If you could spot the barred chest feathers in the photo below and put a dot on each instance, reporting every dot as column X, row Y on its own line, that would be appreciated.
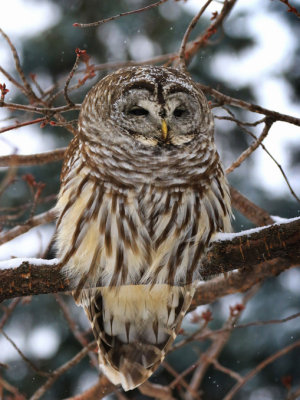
column 148, row 234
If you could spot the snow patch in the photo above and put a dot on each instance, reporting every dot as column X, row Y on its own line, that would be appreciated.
column 16, row 262
column 280, row 220
column 220, row 236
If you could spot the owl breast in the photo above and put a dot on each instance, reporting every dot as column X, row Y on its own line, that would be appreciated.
column 148, row 234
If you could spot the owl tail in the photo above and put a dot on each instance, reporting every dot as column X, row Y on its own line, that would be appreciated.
column 134, row 327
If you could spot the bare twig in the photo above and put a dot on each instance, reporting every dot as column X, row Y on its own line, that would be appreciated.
column 32, row 159
column 268, row 124
column 224, row 99
column 22, row 355
column 9, row 310
column 13, row 81
column 10, row 388
column 37, row 85
column 157, row 391
column 201, row 41
column 9, row 178
column 61, row 370
column 102, row 388
column 41, row 110
column 21, row 124
column 227, row 371
column 259, row 367
column 237, row 121
column 20, row 209
column 218, row 344
column 282, row 172
column 258, row 141
column 74, row 328
column 291, row 9
column 191, row 26
column 104, row 21
column 70, row 76
column 201, row 336
column 28, row 89
column 40, row 219
column 179, row 379
column 209, row 333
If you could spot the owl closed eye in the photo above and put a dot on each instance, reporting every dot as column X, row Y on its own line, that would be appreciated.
column 158, row 114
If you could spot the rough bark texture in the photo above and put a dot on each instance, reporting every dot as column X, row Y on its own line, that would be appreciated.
column 256, row 255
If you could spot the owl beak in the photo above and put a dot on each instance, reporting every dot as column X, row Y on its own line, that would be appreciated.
column 164, row 129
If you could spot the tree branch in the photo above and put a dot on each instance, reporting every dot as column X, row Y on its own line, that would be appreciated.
column 104, row 21
column 102, row 388
column 32, row 159
column 193, row 23
column 253, row 212
column 224, row 99
column 194, row 46
column 44, row 218
column 256, row 254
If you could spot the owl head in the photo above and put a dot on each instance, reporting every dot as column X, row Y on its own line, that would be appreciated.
column 151, row 106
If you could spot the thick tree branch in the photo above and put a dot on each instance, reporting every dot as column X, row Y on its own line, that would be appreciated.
column 256, row 254
column 238, row 281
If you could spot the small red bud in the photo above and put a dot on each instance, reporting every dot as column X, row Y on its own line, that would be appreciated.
column 214, row 15
column 287, row 381
column 80, row 52
column 235, row 310
column 3, row 89
column 207, row 315
column 29, row 178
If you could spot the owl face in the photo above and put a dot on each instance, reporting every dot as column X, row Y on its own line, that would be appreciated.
column 153, row 106
column 158, row 115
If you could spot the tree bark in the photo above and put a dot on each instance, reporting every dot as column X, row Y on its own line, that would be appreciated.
column 256, row 254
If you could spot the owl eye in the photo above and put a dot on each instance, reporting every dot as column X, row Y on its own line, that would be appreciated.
column 179, row 111
column 138, row 111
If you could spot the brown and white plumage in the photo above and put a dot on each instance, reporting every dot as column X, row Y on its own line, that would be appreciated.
column 142, row 194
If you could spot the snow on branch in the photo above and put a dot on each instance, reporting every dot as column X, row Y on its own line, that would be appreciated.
column 256, row 254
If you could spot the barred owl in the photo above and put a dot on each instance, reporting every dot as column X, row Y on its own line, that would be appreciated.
column 142, row 193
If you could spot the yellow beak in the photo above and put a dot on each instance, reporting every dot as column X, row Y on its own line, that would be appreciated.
column 164, row 129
